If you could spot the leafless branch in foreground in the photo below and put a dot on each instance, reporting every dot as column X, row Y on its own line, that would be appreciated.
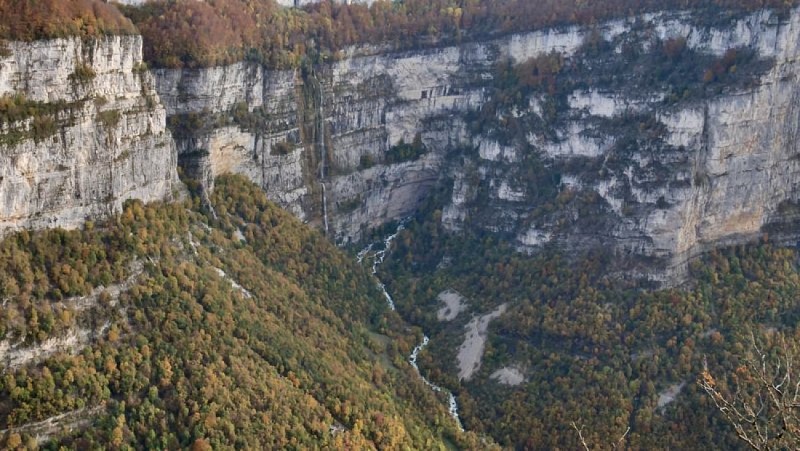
column 580, row 435
column 619, row 444
column 764, row 402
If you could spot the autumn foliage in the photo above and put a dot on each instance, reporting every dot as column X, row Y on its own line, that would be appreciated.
column 209, row 340
column 28, row 20
column 191, row 33
column 188, row 33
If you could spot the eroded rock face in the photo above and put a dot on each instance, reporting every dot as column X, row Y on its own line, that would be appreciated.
column 94, row 136
column 342, row 121
column 720, row 167
column 366, row 139
column 200, row 104
column 723, row 167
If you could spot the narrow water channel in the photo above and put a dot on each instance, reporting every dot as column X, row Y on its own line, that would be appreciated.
column 377, row 259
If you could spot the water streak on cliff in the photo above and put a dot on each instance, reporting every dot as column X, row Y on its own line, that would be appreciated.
column 322, row 155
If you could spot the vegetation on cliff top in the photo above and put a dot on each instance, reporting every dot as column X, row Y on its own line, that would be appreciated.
column 29, row 20
column 187, row 33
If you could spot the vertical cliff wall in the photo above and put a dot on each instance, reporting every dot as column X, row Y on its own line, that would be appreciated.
column 81, row 131
column 241, row 119
column 264, row 124
column 661, row 155
column 656, row 136
column 612, row 154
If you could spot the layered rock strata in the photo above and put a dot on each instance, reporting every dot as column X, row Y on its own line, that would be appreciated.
column 81, row 131
column 725, row 168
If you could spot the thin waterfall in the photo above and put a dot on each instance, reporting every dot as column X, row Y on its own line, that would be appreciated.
column 322, row 155
column 325, row 207
column 451, row 398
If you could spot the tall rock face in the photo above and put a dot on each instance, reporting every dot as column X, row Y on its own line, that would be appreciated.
column 81, row 132
column 635, row 149
column 241, row 119
column 342, row 125
column 657, row 137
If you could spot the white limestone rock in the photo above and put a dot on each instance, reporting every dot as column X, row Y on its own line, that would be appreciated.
column 508, row 376
column 109, row 146
column 470, row 353
column 725, row 165
column 454, row 304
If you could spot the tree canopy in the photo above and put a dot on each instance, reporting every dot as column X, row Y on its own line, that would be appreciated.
column 251, row 331
column 190, row 33
column 605, row 353
column 29, row 20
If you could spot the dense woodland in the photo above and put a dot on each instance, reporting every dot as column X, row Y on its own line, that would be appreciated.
column 595, row 350
column 251, row 331
column 246, row 329
column 28, row 20
column 189, row 33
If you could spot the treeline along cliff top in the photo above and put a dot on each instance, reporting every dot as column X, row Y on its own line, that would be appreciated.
column 190, row 33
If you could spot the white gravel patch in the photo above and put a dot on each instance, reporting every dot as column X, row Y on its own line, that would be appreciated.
column 471, row 351
column 667, row 396
column 453, row 305
column 508, row 376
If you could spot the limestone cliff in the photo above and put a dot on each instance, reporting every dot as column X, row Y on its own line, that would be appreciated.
column 81, row 131
column 723, row 167
column 617, row 153
column 714, row 167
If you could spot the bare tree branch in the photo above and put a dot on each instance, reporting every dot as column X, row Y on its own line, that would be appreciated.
column 580, row 435
column 763, row 408
column 619, row 444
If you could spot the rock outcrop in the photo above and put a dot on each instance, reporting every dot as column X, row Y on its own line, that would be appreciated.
column 81, row 131
column 367, row 105
column 717, row 167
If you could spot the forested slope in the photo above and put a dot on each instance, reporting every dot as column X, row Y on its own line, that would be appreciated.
column 188, row 33
column 590, row 348
column 163, row 328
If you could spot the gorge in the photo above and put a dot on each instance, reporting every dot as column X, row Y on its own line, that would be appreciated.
column 577, row 221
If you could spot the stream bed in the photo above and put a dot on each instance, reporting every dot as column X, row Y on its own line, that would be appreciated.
column 377, row 259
